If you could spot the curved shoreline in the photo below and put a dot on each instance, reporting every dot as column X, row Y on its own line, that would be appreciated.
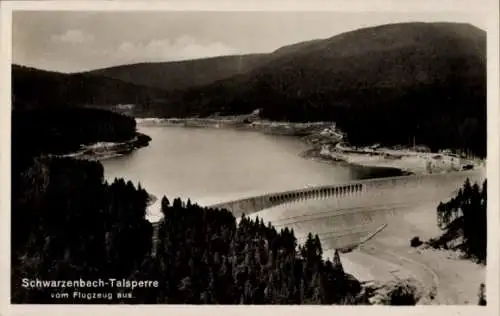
column 313, row 154
column 327, row 144
column 107, row 150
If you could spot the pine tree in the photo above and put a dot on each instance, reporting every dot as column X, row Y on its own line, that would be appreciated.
column 337, row 264
column 165, row 203
column 482, row 295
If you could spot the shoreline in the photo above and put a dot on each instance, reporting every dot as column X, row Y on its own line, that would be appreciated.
column 313, row 154
column 327, row 144
column 107, row 150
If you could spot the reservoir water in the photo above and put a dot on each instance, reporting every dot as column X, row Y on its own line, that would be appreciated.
column 214, row 165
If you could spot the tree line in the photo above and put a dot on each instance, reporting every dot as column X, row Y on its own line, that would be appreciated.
column 206, row 257
column 36, row 88
column 441, row 118
column 60, row 130
column 464, row 221
column 68, row 224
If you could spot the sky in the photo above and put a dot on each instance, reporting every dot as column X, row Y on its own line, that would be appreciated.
column 72, row 41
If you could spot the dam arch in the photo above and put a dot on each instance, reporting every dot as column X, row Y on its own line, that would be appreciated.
column 406, row 185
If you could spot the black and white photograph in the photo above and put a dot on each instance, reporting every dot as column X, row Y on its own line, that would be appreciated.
column 232, row 157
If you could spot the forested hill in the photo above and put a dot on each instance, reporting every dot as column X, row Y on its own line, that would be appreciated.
column 62, row 130
column 49, row 114
column 183, row 74
column 35, row 88
column 385, row 84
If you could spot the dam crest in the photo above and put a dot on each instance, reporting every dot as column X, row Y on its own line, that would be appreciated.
column 366, row 192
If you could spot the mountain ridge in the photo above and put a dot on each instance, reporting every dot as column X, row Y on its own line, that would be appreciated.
column 177, row 75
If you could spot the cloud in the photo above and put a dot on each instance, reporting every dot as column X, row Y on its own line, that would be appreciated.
column 184, row 47
column 73, row 36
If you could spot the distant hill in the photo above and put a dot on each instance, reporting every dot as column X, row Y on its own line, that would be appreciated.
column 49, row 114
column 179, row 75
column 393, row 57
column 182, row 74
column 35, row 88
column 383, row 84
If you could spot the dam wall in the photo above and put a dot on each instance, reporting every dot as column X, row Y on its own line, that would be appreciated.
column 413, row 188
column 344, row 215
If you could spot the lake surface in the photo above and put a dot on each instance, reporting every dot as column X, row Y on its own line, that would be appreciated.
column 214, row 165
